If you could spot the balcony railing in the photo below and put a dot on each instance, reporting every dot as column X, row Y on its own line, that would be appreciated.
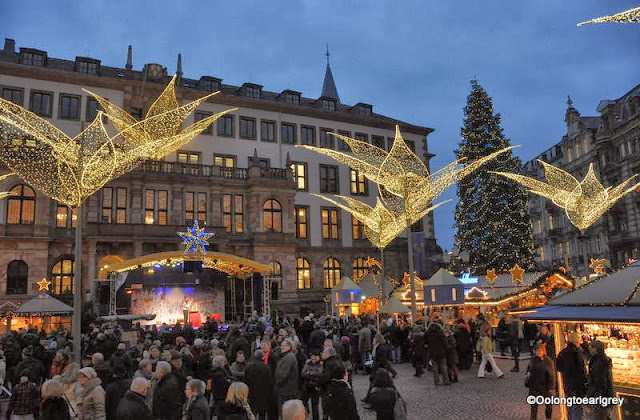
column 156, row 166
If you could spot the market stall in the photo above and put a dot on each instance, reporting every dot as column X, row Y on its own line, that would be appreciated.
column 346, row 297
column 394, row 307
column 42, row 312
column 606, row 309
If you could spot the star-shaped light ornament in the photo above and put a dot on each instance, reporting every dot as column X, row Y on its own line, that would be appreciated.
column 629, row 16
column 491, row 275
column 370, row 261
column 195, row 239
column 43, row 285
column 598, row 265
column 516, row 273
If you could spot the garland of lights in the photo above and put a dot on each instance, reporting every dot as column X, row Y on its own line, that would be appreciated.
column 629, row 16
column 583, row 201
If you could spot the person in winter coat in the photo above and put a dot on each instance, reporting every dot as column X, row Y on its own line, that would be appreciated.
column 541, row 379
column 31, row 365
column 514, row 336
column 116, row 390
column 599, row 382
column 257, row 376
column 485, row 347
column 102, row 368
column 220, row 380
column 145, row 371
column 570, row 364
column 464, row 341
column 286, row 377
column 236, row 405
column 133, row 405
column 438, row 352
column 24, row 399
column 53, row 405
column 120, row 359
column 167, row 394
column 383, row 395
column 311, row 383
column 364, row 343
column 545, row 337
column 3, row 368
column 59, row 363
column 418, row 352
column 395, row 340
column 92, row 398
column 237, row 367
column 451, row 356
column 341, row 404
column 196, row 407
column 71, row 386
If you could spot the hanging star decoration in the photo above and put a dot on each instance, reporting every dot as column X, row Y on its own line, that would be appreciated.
column 516, row 273
column 491, row 275
column 628, row 16
column 195, row 239
column 43, row 285
column 584, row 201
column 563, row 269
column 372, row 262
column 598, row 265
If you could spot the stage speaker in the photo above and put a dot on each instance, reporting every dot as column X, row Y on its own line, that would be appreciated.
column 192, row 266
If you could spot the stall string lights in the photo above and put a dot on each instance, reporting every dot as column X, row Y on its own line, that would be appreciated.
column 628, row 16
column 584, row 201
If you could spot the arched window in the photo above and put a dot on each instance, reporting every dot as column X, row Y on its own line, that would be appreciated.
column 21, row 205
column 303, row 274
column 331, row 272
column 272, row 216
column 360, row 268
column 17, row 277
column 62, row 277
column 275, row 269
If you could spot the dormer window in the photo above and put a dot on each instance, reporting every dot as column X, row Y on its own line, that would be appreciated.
column 329, row 104
column 33, row 57
column 210, row 84
column 87, row 66
column 252, row 91
column 364, row 110
column 293, row 99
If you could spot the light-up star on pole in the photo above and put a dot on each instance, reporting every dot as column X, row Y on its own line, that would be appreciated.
column 195, row 239
column 43, row 285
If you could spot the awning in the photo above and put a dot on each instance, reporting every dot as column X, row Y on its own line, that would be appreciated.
column 43, row 305
column 345, row 283
column 585, row 314
column 394, row 306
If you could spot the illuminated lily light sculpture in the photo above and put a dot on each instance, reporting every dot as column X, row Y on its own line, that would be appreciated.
column 406, row 189
column 68, row 170
column 631, row 15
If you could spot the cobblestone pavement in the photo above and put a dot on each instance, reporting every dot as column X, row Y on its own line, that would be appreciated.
column 470, row 399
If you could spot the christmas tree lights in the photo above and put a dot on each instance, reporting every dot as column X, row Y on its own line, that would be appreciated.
column 584, row 201
column 629, row 16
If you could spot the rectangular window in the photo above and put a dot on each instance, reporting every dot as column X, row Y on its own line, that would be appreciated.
column 41, row 103
column 225, row 161
column 302, row 222
column 308, row 135
column 247, row 128
column 357, row 229
column 155, row 207
column 326, row 139
column 14, row 95
column 233, row 213
column 288, row 133
column 454, row 294
column 378, row 141
column 342, row 145
column 329, row 179
column 358, row 183
column 300, row 175
column 268, row 131
column 65, row 217
column 292, row 99
column 328, row 105
column 33, row 59
column 418, row 226
column 390, row 141
column 121, row 205
column 107, row 204
column 252, row 92
column 114, row 205
column 210, row 85
column 362, row 137
column 92, row 110
column 262, row 162
column 200, row 115
column 195, row 205
column 69, row 107
column 364, row 111
column 87, row 67
column 330, row 224
column 225, row 126
column 433, row 295
column 189, row 162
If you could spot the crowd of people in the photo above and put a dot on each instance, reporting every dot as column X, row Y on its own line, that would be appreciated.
column 257, row 370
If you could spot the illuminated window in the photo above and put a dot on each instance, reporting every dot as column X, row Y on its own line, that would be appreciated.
column 114, row 205
column 272, row 216
column 200, row 115
column 303, row 274
column 275, row 268
column 300, row 175
column 224, row 161
column 17, row 278
column 360, row 268
column 331, row 272
column 62, row 277
column 454, row 294
column 433, row 295
column 357, row 229
column 330, row 224
column 65, row 217
column 155, row 207
column 326, row 139
column 21, row 205
column 358, row 183
column 232, row 213
column 301, row 222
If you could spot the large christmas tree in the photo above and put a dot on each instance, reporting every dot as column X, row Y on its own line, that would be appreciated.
column 492, row 223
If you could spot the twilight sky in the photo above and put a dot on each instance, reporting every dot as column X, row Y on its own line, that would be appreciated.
column 411, row 60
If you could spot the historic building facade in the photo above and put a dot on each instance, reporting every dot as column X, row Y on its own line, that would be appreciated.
column 611, row 142
column 243, row 177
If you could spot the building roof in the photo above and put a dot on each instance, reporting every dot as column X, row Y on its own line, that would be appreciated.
column 591, row 122
column 442, row 278
column 503, row 285
column 329, row 89
column 394, row 306
column 620, row 289
column 45, row 305
column 345, row 283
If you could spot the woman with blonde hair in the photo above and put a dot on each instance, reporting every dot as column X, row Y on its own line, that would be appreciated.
column 236, row 404
column 53, row 406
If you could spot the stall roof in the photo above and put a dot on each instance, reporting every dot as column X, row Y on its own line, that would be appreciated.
column 619, row 288
column 503, row 284
column 345, row 283
column 585, row 314
column 394, row 306
column 44, row 304
column 442, row 278
column 375, row 285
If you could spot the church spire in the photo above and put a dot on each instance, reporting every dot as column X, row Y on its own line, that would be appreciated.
column 329, row 89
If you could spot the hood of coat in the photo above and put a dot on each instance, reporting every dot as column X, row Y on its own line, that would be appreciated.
column 91, row 384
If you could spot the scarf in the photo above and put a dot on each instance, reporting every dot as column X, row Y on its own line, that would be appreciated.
column 247, row 410
column 187, row 406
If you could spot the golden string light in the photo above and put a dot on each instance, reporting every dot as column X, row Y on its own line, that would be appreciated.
column 584, row 201
column 5, row 194
column 629, row 16
column 161, row 126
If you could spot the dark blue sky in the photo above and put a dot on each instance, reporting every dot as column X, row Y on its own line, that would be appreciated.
column 411, row 59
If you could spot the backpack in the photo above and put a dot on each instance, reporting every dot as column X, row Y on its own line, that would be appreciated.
column 400, row 408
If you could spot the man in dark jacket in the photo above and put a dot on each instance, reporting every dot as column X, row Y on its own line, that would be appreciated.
column 286, row 377
column 417, row 351
column 32, row 366
column 116, row 390
column 438, row 352
column 514, row 334
column 121, row 360
column 167, row 395
column 104, row 371
column 599, row 382
column 464, row 341
column 133, row 405
column 196, row 407
column 330, row 365
column 257, row 376
column 341, row 403
column 177, row 369
column 570, row 364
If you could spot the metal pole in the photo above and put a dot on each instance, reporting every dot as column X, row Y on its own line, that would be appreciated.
column 76, row 330
column 583, row 250
column 412, row 277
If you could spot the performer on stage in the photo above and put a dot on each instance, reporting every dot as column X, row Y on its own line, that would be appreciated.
column 186, row 308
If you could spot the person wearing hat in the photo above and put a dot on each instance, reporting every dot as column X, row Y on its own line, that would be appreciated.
column 570, row 364
column 92, row 397
column 599, row 382
column 24, row 401
column 116, row 390
column 177, row 369
column 286, row 376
